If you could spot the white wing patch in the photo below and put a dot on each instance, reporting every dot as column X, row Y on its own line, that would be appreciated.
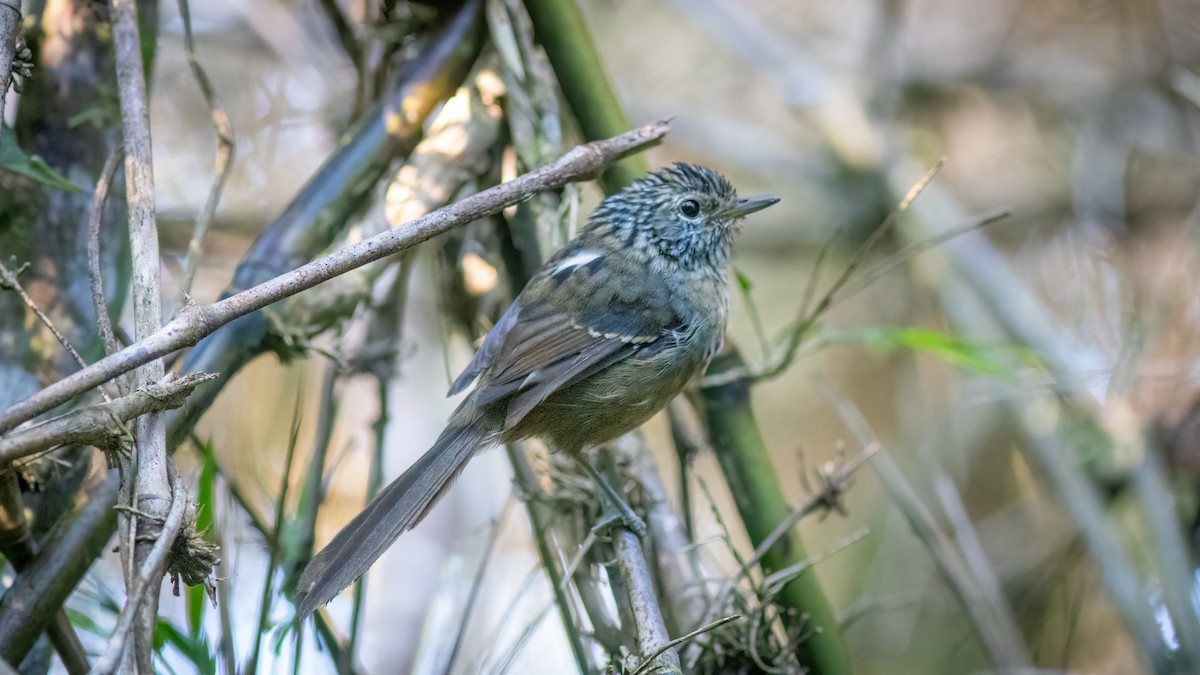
column 577, row 260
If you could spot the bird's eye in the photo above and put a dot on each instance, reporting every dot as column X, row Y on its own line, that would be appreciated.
column 690, row 208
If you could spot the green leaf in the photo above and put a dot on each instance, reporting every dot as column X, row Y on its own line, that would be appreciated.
column 743, row 281
column 195, row 651
column 991, row 359
column 14, row 159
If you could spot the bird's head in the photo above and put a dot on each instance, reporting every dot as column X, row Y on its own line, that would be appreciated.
column 686, row 213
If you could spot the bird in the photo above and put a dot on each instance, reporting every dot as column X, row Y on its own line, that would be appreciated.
column 602, row 337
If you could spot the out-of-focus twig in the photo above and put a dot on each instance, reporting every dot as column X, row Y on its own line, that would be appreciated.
column 195, row 321
column 1176, row 573
column 101, row 424
column 19, row 547
column 95, row 275
column 539, row 520
column 1000, row 636
column 783, row 358
column 345, row 33
column 274, row 538
column 222, row 163
column 10, row 280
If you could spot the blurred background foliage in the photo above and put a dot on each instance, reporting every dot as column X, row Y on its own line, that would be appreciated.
column 1021, row 377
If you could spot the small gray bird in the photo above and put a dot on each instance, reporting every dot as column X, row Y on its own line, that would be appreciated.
column 611, row 328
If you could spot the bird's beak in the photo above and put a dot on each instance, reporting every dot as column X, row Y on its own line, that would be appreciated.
column 745, row 207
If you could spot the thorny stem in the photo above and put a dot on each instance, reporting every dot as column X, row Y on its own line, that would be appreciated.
column 194, row 322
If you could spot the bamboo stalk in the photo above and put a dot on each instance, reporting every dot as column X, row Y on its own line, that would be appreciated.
column 753, row 481
column 562, row 30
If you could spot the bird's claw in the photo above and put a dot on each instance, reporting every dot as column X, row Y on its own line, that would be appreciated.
column 619, row 515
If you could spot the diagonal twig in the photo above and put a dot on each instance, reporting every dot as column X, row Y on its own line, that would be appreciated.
column 195, row 321
column 95, row 218
column 99, row 424
column 9, row 279
column 222, row 163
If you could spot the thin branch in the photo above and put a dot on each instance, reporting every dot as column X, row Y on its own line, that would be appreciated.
column 678, row 570
column 95, row 218
column 775, row 581
column 150, row 571
column 679, row 640
column 196, row 321
column 783, row 358
column 559, row 589
column 99, row 424
column 222, row 163
column 833, row 487
column 652, row 636
column 274, row 539
column 9, row 279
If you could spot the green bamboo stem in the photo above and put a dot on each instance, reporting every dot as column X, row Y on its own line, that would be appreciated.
column 561, row 29
column 753, row 481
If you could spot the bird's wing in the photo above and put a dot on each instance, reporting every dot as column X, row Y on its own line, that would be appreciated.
column 570, row 321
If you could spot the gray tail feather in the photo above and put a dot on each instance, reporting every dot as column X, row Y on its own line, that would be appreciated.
column 397, row 509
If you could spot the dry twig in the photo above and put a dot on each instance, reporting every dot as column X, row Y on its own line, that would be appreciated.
column 222, row 163
column 195, row 321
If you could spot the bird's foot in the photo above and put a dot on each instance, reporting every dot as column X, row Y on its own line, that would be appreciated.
column 614, row 510
column 618, row 514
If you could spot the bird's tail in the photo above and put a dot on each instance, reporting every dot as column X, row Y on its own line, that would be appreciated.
column 398, row 508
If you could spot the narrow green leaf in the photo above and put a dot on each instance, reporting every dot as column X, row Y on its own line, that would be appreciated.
column 991, row 359
column 196, row 651
column 744, row 281
column 14, row 159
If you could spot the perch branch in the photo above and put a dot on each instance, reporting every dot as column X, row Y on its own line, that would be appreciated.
column 652, row 637
column 195, row 321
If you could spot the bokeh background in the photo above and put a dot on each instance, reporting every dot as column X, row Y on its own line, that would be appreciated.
column 1077, row 117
